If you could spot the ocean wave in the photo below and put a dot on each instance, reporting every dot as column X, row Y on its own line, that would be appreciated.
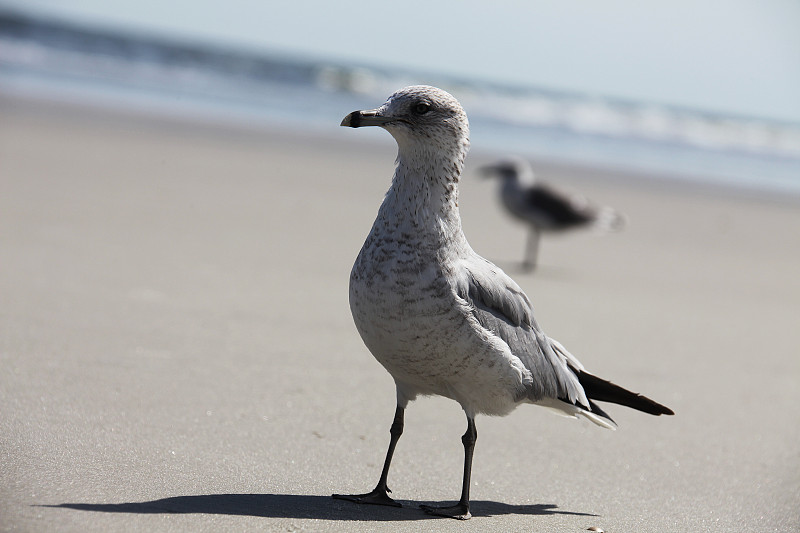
column 586, row 124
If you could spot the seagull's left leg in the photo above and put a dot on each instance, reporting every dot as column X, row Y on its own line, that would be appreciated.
column 460, row 510
column 380, row 494
column 531, row 249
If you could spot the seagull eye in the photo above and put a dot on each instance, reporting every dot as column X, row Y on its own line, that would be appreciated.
column 421, row 108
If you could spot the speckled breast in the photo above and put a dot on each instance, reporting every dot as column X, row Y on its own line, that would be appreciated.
column 406, row 311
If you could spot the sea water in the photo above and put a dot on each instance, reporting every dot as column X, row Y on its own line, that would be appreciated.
column 57, row 60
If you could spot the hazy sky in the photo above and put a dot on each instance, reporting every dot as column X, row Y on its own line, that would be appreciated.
column 735, row 56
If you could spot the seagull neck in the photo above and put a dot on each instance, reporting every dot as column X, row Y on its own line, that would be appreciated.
column 425, row 194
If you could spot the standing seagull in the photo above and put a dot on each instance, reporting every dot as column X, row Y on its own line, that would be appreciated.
column 544, row 208
column 442, row 319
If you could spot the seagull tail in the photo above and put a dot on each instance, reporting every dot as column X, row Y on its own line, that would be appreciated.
column 605, row 391
column 564, row 407
column 609, row 219
column 598, row 416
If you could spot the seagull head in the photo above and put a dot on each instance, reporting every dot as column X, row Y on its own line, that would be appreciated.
column 511, row 169
column 422, row 119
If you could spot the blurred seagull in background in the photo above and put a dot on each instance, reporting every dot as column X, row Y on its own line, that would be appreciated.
column 545, row 208
column 442, row 319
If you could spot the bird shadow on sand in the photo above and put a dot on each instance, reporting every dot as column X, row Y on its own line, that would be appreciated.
column 301, row 506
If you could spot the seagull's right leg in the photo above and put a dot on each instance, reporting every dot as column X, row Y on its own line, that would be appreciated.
column 460, row 511
column 379, row 495
column 531, row 249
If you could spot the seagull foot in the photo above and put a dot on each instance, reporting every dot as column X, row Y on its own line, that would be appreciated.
column 459, row 511
column 376, row 497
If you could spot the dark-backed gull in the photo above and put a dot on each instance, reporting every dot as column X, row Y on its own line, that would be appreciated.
column 544, row 208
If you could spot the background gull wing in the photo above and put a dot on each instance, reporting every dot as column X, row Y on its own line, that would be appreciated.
column 561, row 208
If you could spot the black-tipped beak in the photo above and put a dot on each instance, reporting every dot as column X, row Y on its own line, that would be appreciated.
column 488, row 171
column 357, row 119
column 502, row 169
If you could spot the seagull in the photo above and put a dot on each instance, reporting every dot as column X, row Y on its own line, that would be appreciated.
column 439, row 317
column 545, row 208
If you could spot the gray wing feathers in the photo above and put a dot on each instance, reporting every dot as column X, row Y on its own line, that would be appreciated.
column 500, row 306
column 571, row 360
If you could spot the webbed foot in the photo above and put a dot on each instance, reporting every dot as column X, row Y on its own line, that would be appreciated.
column 378, row 496
column 459, row 511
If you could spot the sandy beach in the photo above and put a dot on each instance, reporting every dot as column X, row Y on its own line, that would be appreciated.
column 177, row 351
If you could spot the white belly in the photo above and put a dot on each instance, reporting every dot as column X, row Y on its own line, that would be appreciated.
column 418, row 328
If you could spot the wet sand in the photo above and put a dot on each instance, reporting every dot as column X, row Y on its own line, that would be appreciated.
column 177, row 352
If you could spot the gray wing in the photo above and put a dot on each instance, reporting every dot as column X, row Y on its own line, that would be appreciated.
column 500, row 305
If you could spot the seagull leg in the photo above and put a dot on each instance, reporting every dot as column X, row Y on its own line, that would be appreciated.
column 531, row 249
column 379, row 495
column 460, row 510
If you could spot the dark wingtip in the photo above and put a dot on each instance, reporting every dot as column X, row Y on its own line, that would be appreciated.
column 604, row 391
